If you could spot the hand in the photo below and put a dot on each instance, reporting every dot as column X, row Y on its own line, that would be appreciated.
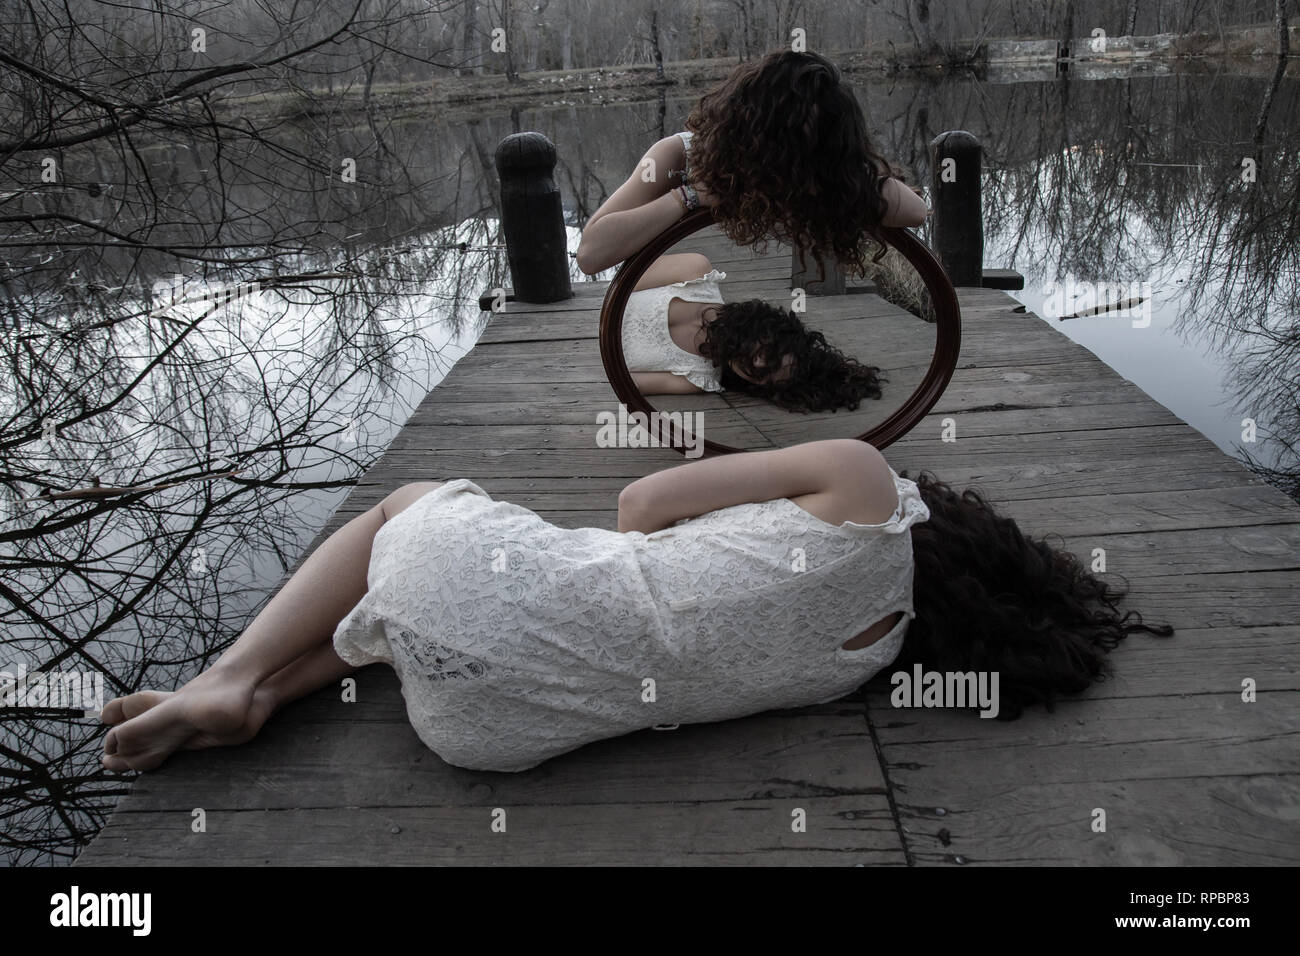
column 705, row 197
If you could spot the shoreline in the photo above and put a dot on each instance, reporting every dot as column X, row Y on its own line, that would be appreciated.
column 462, row 97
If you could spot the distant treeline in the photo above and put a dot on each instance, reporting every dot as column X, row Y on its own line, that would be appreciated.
column 433, row 38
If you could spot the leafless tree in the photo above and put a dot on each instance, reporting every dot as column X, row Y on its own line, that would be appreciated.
column 157, row 436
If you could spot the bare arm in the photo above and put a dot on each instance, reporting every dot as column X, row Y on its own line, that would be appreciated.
column 838, row 480
column 636, row 212
column 906, row 208
column 664, row 383
column 674, row 267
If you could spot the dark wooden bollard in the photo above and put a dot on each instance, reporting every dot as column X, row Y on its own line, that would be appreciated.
column 806, row 274
column 955, row 169
column 532, row 219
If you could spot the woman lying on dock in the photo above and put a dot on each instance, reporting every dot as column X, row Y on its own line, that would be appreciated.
column 680, row 336
column 733, row 585
column 778, row 150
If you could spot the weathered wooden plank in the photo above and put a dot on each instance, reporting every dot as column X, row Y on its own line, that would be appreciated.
column 568, row 349
column 1120, row 511
column 552, row 412
column 1082, row 368
column 559, row 370
column 1144, row 737
column 1271, row 547
column 1226, row 599
column 410, row 464
column 568, row 488
column 1051, row 465
column 580, row 436
column 1243, row 820
column 506, row 327
column 460, row 390
column 966, row 395
column 367, row 754
column 1009, row 421
column 842, row 831
column 1205, row 660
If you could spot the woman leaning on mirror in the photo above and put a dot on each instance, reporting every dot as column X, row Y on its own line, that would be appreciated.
column 778, row 151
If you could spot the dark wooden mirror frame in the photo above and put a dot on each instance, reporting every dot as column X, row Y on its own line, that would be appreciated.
column 904, row 419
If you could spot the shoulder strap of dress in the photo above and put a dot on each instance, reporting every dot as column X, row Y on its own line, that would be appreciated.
column 701, row 288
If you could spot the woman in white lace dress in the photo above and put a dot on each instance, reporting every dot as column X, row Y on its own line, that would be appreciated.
column 733, row 585
column 680, row 336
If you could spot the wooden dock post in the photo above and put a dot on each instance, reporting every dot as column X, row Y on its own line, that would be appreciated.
column 806, row 274
column 957, row 173
column 956, row 177
column 532, row 218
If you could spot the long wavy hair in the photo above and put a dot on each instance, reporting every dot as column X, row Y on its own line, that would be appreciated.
column 782, row 145
column 759, row 337
column 988, row 598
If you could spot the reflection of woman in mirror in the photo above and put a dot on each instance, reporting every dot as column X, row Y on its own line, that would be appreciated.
column 679, row 336
column 778, row 150
column 516, row 640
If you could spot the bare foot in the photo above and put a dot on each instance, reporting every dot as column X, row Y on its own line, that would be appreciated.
column 210, row 713
column 263, row 705
column 132, row 705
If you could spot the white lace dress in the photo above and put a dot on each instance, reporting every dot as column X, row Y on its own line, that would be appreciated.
column 516, row 640
column 647, row 344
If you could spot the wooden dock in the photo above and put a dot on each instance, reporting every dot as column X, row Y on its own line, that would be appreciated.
column 1185, row 770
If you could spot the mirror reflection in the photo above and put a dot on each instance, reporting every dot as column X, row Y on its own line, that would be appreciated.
column 765, row 354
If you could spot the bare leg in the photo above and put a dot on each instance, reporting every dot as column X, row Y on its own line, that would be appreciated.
column 287, row 651
column 315, row 669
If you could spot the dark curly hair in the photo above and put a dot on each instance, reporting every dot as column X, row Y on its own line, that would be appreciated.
column 782, row 145
column 757, row 337
column 988, row 598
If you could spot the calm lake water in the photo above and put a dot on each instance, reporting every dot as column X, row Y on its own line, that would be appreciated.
column 1132, row 181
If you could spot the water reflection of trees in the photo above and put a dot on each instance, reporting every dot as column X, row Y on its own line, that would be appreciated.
column 1247, row 289
column 274, row 396
column 1120, row 180
column 202, row 422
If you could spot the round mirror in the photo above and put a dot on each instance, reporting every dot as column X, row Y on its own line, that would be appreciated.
column 718, row 348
